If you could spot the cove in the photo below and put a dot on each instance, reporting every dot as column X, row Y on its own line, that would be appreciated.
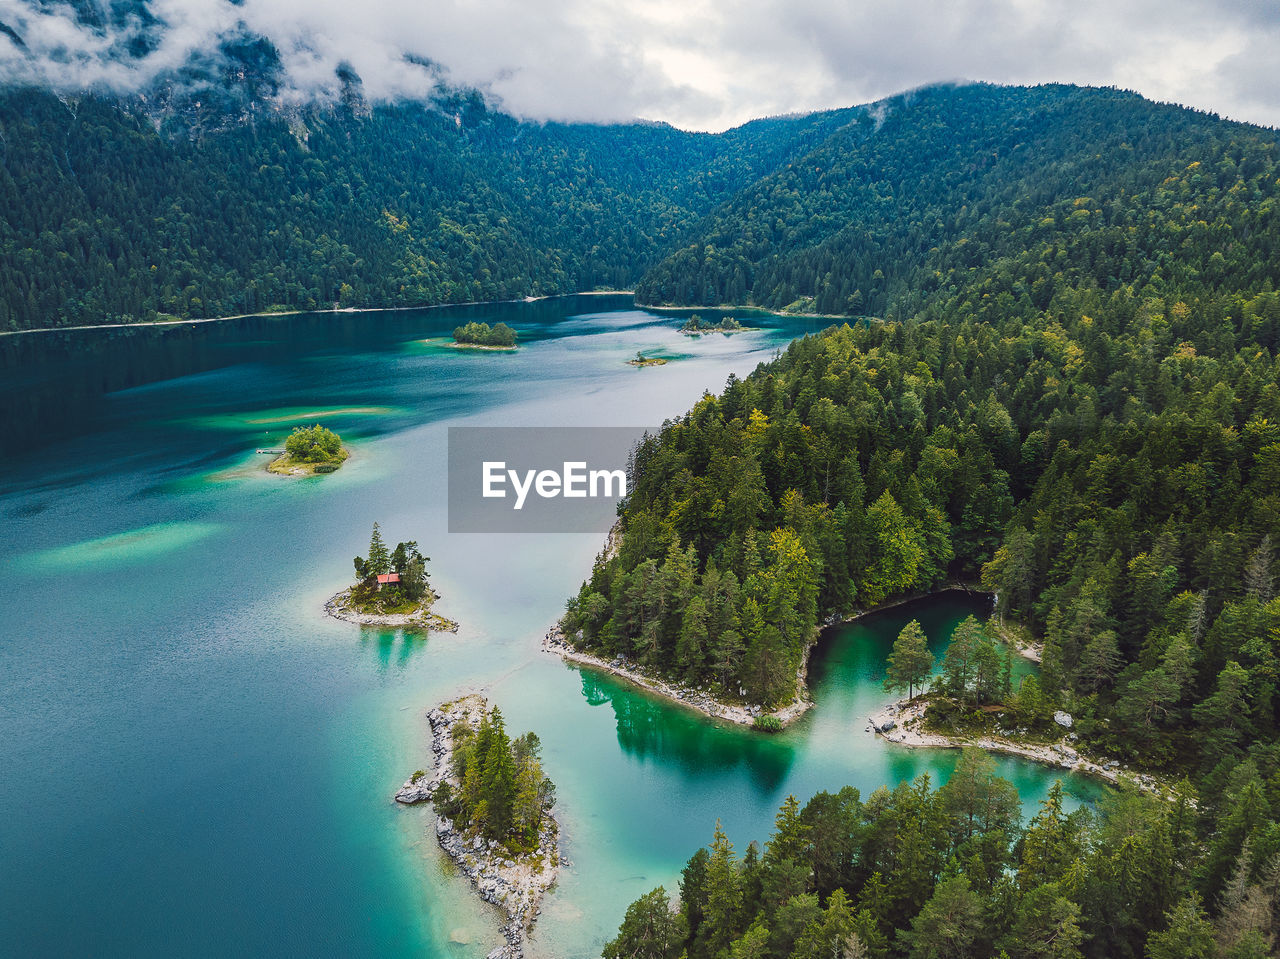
column 198, row 762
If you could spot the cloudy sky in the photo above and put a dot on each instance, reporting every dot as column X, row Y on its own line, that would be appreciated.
column 699, row 64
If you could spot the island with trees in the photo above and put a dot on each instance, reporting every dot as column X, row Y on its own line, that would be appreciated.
column 482, row 336
column 696, row 326
column 641, row 360
column 308, row 451
column 391, row 589
column 493, row 803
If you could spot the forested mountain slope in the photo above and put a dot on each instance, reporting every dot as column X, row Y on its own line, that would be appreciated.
column 898, row 207
column 222, row 203
column 113, row 211
column 1075, row 400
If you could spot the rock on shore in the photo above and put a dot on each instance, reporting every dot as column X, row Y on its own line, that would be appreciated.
column 515, row 885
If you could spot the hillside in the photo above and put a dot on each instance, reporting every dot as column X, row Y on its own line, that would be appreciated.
column 1074, row 399
column 898, row 208
column 175, row 205
column 114, row 211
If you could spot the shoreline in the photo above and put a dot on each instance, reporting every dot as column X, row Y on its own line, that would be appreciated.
column 701, row 700
column 278, row 466
column 679, row 693
column 144, row 324
column 748, row 308
column 514, row 886
column 421, row 619
column 900, row 723
column 483, row 346
column 896, row 722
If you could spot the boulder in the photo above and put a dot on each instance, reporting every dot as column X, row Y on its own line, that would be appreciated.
column 414, row 791
column 1063, row 719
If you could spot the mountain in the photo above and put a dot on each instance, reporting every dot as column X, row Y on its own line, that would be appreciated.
column 902, row 204
column 209, row 195
column 114, row 211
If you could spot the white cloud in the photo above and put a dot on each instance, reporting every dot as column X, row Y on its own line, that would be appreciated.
column 702, row 64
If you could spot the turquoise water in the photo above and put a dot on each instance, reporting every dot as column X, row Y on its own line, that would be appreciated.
column 197, row 762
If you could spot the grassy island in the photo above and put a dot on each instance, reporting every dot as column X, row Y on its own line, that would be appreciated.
column 310, row 450
column 391, row 589
column 642, row 360
column 696, row 326
column 483, row 336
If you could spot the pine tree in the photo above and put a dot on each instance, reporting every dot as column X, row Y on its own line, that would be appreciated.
column 1189, row 934
column 693, row 891
column 963, row 656
column 1046, row 925
column 948, row 924
column 498, row 789
column 691, row 647
column 379, row 561
column 650, row 930
column 724, row 899
column 910, row 662
column 1099, row 662
column 1258, row 581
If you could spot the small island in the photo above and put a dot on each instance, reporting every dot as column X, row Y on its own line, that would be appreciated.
column 482, row 336
column 696, row 326
column 309, row 450
column 642, row 360
column 493, row 807
column 391, row 589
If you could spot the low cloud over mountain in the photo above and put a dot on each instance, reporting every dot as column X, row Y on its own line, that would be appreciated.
column 696, row 63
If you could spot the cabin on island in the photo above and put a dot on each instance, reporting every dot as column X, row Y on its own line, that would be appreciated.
column 388, row 579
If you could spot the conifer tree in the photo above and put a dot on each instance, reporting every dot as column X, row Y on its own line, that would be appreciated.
column 910, row 662
column 379, row 561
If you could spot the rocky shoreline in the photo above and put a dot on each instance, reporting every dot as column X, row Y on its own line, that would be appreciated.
column 700, row 699
column 515, row 885
column 421, row 619
column 691, row 696
column 902, row 723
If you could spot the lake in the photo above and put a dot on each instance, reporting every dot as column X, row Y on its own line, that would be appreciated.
column 196, row 761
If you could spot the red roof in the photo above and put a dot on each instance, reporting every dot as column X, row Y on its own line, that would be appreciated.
column 389, row 578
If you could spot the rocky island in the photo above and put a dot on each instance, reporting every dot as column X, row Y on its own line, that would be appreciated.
column 391, row 590
column 310, row 450
column 493, row 807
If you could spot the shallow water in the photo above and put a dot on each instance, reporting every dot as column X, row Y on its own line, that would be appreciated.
column 197, row 762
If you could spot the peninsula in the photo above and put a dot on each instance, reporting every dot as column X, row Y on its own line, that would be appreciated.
column 493, row 808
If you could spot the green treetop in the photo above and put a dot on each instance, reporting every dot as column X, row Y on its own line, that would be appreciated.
column 910, row 662
column 379, row 561
column 313, row 444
